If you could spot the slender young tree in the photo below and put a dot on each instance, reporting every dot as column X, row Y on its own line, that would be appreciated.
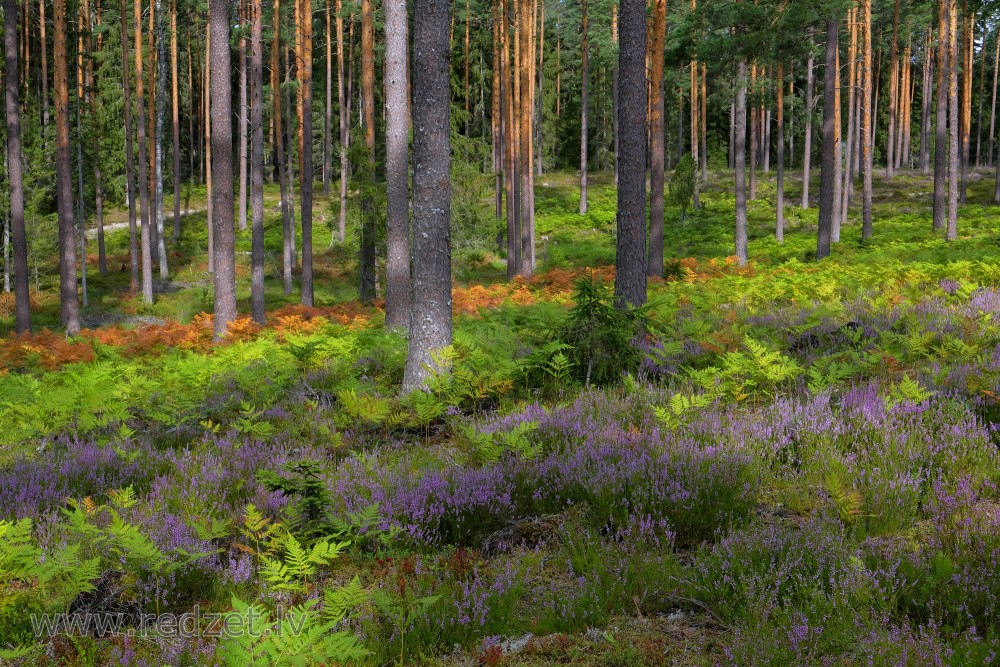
column 368, row 222
column 328, row 108
column 740, row 161
column 656, row 220
column 431, row 312
column 807, row 142
column 176, row 117
column 924, row 161
column 161, row 112
column 306, row 187
column 941, row 132
column 22, row 307
column 256, row 76
column 344, row 122
column 827, row 196
column 779, row 225
column 866, row 120
column 583, row 109
column 222, row 170
column 893, row 94
column 397, row 124
column 69, row 299
column 630, row 276
column 130, row 194
column 993, row 104
column 143, row 159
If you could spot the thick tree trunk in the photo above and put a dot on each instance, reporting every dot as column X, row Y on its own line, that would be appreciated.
column 953, row 123
column 630, row 278
column 740, row 162
column 397, row 123
column 539, row 113
column 69, row 300
column 306, row 186
column 838, row 161
column 209, row 190
column 807, row 141
column 431, row 313
column 368, row 222
column 243, row 124
column 222, row 170
column 656, row 220
column 583, row 111
column 256, row 75
column 941, row 136
column 866, row 122
column 22, row 308
column 827, row 209
column 176, row 125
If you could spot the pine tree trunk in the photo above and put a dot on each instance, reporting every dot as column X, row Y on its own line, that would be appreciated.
column 69, row 300
column 866, row 123
column 838, row 162
column 161, row 112
column 209, row 190
column 306, row 158
column 966, row 111
column 525, row 174
column 22, row 308
column 654, row 266
column 926, row 96
column 827, row 210
column 496, row 120
column 287, row 226
column 953, row 123
column 853, row 77
column 143, row 160
column 431, row 314
column 243, row 122
column 993, row 104
column 397, row 115
column 540, row 114
column 344, row 121
column 130, row 193
column 740, row 162
column 704, row 122
column 256, row 75
column 941, row 138
column 102, row 260
column 893, row 95
column 176, row 125
column 630, row 278
column 754, row 137
column 368, row 223
column 695, row 118
column 328, row 108
column 807, row 141
column 511, row 160
column 583, row 110
column 779, row 228
column 222, row 170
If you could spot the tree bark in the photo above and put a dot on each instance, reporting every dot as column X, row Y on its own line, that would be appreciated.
column 287, row 226
column 397, row 117
column 953, row 123
column 209, row 190
column 968, row 67
column 344, row 121
column 161, row 112
column 866, row 123
column 656, row 220
column 779, row 228
column 328, row 108
column 630, row 278
column 129, row 156
column 807, row 141
column 44, row 61
column 306, row 185
column 143, row 159
column 243, row 120
column 222, row 170
column 256, row 75
column 22, row 307
column 527, row 177
column 927, row 106
column 893, row 94
column 431, row 313
column 69, row 300
column 368, row 223
column 583, row 110
column 827, row 196
column 941, row 138
column 993, row 104
column 175, row 98
column 740, row 161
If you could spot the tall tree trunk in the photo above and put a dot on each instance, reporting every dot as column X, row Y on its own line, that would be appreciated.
column 827, row 210
column 95, row 106
column 656, row 221
column 465, row 94
column 209, row 190
column 695, row 117
column 306, row 186
column 368, row 223
column 22, row 307
column 993, row 104
column 431, row 315
column 397, row 122
column 130, row 194
column 807, row 141
column 287, row 226
column 853, row 77
column 893, row 95
column 328, row 108
column 754, row 137
column 256, row 75
column 941, row 137
column 526, row 175
column 222, row 170
column 81, row 214
column 614, row 85
column 968, row 67
column 69, row 300
column 838, row 162
column 161, row 112
column 344, row 120
column 540, row 114
column 583, row 110
column 176, row 109
column 866, row 122
column 511, row 159
column 927, row 105
column 44, row 61
column 496, row 121
column 740, row 162
column 779, row 229
column 243, row 119
column 704, row 122
column 144, row 203
column 630, row 278
column 953, row 123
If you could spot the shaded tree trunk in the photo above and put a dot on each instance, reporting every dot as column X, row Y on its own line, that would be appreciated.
column 222, row 170
column 807, row 141
column 328, row 108
column 397, row 302
column 256, row 76
column 583, row 110
column 927, row 94
column 68, row 297
column 941, row 133
column 287, row 225
column 779, row 227
column 630, row 278
column 176, row 125
column 656, row 220
column 22, row 307
column 953, row 123
column 161, row 112
column 740, row 161
column 368, row 223
column 993, row 104
column 344, row 120
column 893, row 95
column 133, row 239
column 306, row 186
column 144, row 203
column 827, row 210
column 243, row 122
column 866, row 121
column 431, row 313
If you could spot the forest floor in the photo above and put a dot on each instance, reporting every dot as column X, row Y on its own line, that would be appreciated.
column 788, row 463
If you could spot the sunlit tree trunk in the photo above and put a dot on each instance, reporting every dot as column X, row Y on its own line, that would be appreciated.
column 941, row 135
column 893, row 95
column 287, row 228
column 927, row 94
column 993, row 103
column 22, row 308
column 161, row 112
column 143, row 160
column 344, row 121
column 656, row 220
column 866, row 122
column 779, row 228
column 953, row 123
column 328, row 108
column 968, row 67
column 368, row 224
